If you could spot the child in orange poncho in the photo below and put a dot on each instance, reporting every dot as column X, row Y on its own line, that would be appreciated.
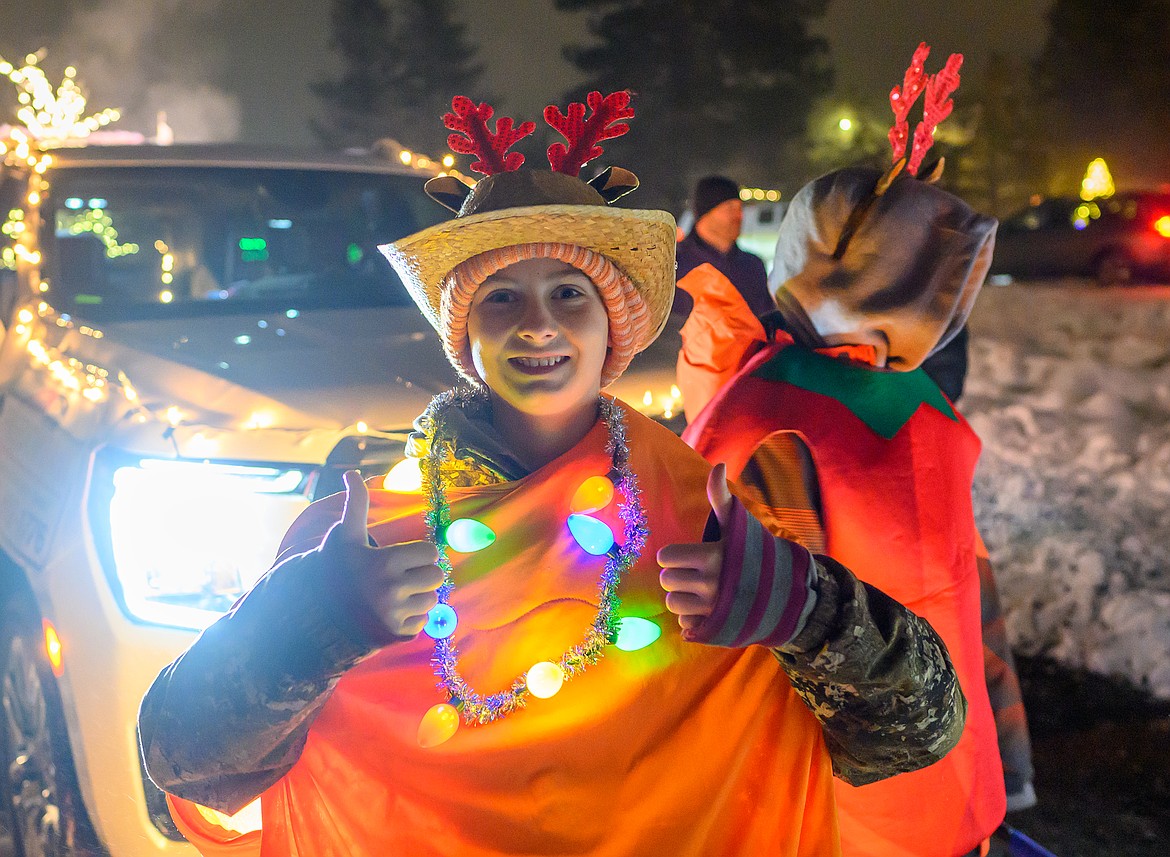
column 873, row 272
column 548, row 707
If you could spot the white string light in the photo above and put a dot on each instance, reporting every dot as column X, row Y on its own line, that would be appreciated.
column 52, row 117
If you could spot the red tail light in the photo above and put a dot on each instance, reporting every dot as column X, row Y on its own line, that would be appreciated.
column 1162, row 225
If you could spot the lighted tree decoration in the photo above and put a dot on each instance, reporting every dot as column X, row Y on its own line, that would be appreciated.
column 52, row 117
column 1098, row 182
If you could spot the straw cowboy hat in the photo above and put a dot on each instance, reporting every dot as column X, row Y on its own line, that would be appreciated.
column 513, row 214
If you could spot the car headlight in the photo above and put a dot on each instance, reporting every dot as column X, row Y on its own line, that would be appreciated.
column 188, row 538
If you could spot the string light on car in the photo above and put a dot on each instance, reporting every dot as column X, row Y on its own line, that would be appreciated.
column 664, row 405
column 47, row 337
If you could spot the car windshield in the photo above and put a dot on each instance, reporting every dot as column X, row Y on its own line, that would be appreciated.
column 124, row 243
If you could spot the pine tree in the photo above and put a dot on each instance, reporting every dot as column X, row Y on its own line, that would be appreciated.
column 353, row 102
column 1104, row 67
column 402, row 61
column 721, row 85
column 1005, row 160
column 437, row 62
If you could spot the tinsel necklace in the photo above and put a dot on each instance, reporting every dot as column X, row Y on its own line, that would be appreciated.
column 481, row 709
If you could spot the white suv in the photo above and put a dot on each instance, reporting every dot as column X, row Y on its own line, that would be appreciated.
column 195, row 342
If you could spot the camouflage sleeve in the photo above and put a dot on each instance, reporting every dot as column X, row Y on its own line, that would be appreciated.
column 230, row 716
column 877, row 677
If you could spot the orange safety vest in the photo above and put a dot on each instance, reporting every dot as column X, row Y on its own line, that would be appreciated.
column 677, row 748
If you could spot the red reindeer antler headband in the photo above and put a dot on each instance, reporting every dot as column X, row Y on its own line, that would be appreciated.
column 472, row 136
column 584, row 135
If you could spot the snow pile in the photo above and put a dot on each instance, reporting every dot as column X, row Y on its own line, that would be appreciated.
column 1069, row 388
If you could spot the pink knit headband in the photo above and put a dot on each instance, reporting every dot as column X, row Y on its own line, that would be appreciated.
column 629, row 317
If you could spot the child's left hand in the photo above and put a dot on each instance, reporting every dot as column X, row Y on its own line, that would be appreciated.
column 690, row 572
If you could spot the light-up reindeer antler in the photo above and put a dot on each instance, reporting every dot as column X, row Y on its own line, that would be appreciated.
column 583, row 135
column 902, row 98
column 936, row 107
column 472, row 136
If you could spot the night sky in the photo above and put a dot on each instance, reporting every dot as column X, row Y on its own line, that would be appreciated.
column 226, row 70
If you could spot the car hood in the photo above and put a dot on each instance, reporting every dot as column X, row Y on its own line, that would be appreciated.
column 319, row 369
column 271, row 387
column 378, row 365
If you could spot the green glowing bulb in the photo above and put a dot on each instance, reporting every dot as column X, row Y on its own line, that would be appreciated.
column 635, row 633
column 468, row 536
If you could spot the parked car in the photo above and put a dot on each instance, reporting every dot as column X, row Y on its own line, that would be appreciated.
column 1115, row 240
column 195, row 343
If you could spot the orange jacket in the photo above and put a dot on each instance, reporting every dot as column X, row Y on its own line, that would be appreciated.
column 718, row 335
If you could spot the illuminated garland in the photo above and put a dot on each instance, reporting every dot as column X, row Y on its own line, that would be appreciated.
column 478, row 709
column 52, row 116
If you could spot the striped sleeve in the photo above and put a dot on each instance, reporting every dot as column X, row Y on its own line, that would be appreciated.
column 765, row 586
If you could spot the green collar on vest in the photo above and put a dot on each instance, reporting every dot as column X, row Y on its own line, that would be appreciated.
column 884, row 401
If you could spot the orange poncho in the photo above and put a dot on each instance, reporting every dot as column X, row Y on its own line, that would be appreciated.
column 677, row 748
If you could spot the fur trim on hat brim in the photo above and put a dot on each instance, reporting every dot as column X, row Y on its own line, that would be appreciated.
column 640, row 242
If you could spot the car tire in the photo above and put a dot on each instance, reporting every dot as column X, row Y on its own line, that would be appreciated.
column 1114, row 268
column 42, row 814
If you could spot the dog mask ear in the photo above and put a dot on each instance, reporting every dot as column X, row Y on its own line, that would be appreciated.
column 613, row 183
column 934, row 171
column 447, row 191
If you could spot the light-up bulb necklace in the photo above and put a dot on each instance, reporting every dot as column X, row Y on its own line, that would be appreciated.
column 545, row 678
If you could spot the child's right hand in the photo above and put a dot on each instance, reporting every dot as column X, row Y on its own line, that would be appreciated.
column 396, row 583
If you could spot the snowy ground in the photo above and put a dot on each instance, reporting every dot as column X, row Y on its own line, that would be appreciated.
column 1069, row 388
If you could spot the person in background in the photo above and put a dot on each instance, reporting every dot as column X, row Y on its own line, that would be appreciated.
column 718, row 214
column 394, row 684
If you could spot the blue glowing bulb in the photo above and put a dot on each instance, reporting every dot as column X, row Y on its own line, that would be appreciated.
column 468, row 536
column 591, row 534
column 635, row 633
column 441, row 621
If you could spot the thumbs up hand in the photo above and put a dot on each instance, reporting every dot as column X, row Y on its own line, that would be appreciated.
column 396, row 584
column 690, row 572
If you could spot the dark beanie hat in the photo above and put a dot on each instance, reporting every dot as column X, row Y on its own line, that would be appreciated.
column 710, row 192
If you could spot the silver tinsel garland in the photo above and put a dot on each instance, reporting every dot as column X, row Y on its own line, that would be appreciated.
column 479, row 709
